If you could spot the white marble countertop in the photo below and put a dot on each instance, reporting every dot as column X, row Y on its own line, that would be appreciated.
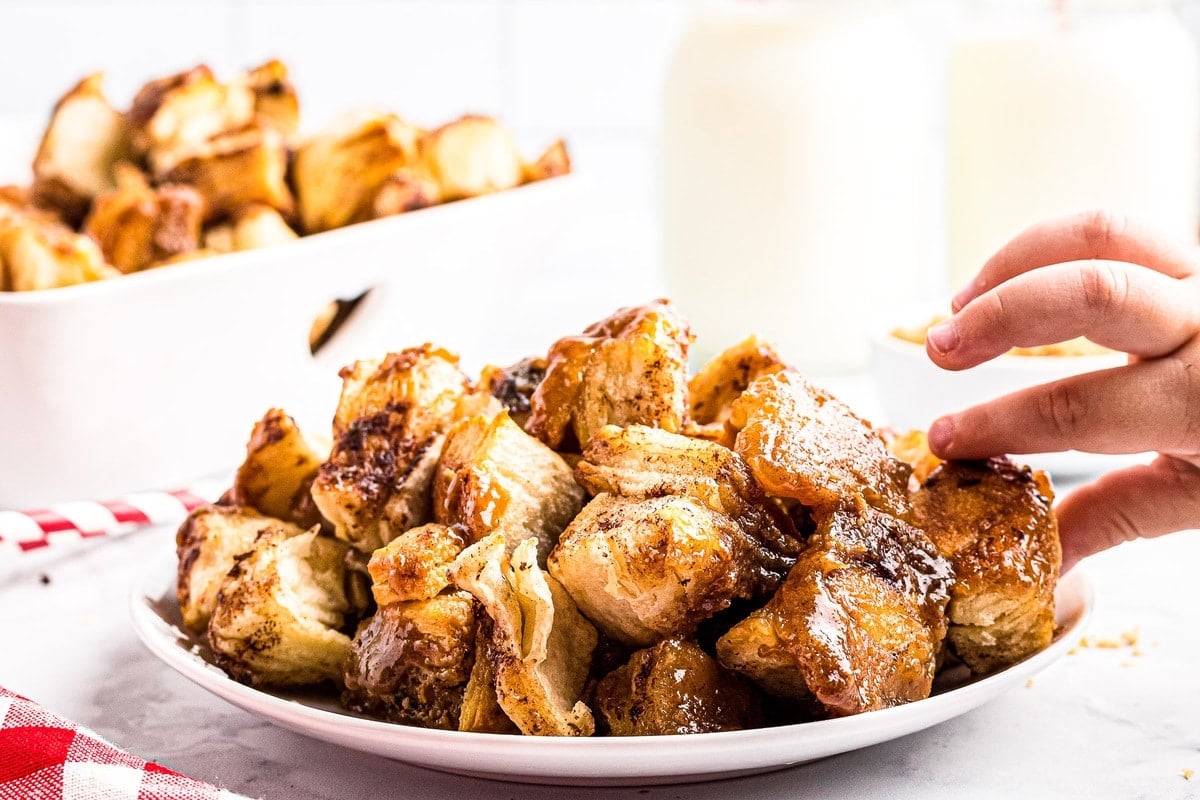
column 1118, row 722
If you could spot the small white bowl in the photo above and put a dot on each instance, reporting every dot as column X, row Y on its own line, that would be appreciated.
column 912, row 391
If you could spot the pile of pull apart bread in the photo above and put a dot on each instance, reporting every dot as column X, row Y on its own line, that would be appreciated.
column 594, row 543
column 197, row 166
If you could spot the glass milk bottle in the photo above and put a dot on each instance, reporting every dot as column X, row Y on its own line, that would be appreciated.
column 797, row 175
column 1058, row 107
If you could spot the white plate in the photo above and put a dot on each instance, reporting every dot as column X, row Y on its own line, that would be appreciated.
column 574, row 761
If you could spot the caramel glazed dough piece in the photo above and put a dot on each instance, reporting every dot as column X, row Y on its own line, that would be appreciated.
column 388, row 433
column 803, row 443
column 630, row 368
column 859, row 621
column 642, row 462
column 993, row 520
column 677, row 531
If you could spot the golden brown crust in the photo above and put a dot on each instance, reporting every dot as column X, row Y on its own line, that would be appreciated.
column 630, row 368
column 481, row 711
column 138, row 226
column 860, row 618
column 388, row 433
column 675, row 687
column 712, row 390
column 279, row 612
column 994, row 521
column 803, row 443
column 410, row 662
column 280, row 466
column 416, row 564
column 540, row 646
column 642, row 462
column 643, row 570
column 235, row 169
column 494, row 477
column 207, row 544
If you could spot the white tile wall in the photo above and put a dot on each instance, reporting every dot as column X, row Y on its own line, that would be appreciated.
column 429, row 60
column 48, row 45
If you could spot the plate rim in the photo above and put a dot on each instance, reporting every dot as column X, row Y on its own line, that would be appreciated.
column 594, row 761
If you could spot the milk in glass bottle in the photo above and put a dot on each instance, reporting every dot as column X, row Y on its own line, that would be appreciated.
column 797, row 175
column 1060, row 106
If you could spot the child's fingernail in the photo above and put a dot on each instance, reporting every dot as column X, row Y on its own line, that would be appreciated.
column 942, row 338
column 941, row 434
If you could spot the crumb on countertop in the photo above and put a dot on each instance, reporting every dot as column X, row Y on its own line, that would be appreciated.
column 1029, row 683
column 1128, row 639
column 1187, row 774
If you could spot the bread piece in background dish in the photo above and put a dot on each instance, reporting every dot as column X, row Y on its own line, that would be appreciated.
column 627, row 369
column 471, row 156
column 994, row 521
column 279, row 610
column 173, row 116
column 40, row 254
column 550, row 164
column 858, row 623
column 208, row 543
column 338, row 171
column 85, row 139
column 237, row 168
column 251, row 227
column 675, row 687
column 276, row 103
column 138, row 226
column 406, row 189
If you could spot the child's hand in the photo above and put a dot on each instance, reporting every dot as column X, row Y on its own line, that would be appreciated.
column 1119, row 284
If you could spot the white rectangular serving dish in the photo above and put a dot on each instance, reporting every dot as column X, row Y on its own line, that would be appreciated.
column 155, row 379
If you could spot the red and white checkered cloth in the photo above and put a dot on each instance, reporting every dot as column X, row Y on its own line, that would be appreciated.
column 33, row 529
column 45, row 757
